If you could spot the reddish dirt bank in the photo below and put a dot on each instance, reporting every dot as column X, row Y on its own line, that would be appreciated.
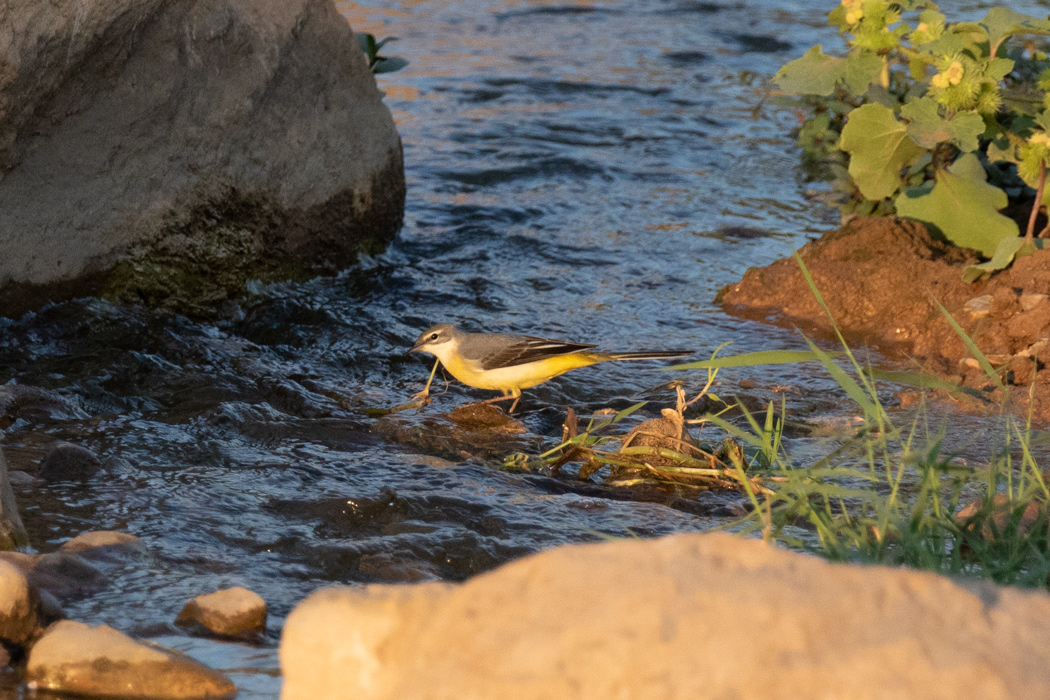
column 880, row 277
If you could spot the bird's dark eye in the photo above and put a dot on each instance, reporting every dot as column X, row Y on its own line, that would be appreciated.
column 433, row 336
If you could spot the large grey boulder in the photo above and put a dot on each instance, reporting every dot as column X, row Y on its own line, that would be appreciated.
column 173, row 149
column 683, row 617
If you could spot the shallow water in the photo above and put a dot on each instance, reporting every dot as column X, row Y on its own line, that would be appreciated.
column 593, row 172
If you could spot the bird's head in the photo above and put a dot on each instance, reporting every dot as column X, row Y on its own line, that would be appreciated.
column 436, row 340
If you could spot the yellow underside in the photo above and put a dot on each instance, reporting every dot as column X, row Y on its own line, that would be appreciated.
column 511, row 380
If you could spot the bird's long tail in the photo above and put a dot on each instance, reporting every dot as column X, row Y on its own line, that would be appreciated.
column 653, row 355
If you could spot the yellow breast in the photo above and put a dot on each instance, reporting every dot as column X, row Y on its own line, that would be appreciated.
column 514, row 379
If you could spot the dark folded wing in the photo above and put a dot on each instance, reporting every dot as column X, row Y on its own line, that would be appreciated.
column 528, row 349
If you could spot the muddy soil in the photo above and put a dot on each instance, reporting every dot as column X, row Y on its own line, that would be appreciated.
column 882, row 278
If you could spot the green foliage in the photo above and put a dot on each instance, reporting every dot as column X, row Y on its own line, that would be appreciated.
column 379, row 64
column 879, row 147
column 945, row 122
column 962, row 203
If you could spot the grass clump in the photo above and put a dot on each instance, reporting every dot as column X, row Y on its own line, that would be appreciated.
column 893, row 494
column 890, row 491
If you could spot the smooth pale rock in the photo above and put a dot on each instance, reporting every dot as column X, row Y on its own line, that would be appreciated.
column 678, row 618
column 74, row 658
column 18, row 605
column 124, row 125
column 979, row 306
column 66, row 462
column 231, row 612
column 1030, row 301
column 105, row 546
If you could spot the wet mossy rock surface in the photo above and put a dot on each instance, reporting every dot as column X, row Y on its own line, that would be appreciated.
column 882, row 278
column 216, row 142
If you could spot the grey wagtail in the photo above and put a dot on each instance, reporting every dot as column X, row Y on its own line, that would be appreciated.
column 510, row 363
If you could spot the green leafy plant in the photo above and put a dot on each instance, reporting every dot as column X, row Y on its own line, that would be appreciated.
column 944, row 122
column 379, row 64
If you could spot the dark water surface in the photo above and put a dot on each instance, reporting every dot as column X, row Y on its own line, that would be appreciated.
column 593, row 172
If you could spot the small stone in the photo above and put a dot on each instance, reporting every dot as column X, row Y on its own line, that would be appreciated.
column 1030, row 301
column 77, row 659
column 970, row 362
column 105, row 546
column 18, row 606
column 1000, row 515
column 978, row 306
column 66, row 462
column 23, row 479
column 231, row 612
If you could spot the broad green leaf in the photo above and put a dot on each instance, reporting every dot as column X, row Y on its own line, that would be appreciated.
column 998, row 68
column 928, row 128
column 751, row 359
column 862, row 69
column 1005, row 252
column 1002, row 22
column 879, row 147
column 389, row 65
column 963, row 206
column 1002, row 149
column 367, row 43
column 950, row 43
column 813, row 73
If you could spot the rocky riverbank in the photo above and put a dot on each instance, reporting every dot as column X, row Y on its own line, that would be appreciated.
column 882, row 280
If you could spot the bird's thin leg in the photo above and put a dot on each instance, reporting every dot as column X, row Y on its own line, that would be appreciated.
column 498, row 399
column 516, row 399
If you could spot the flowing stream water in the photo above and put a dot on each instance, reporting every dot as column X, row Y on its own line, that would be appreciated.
column 592, row 171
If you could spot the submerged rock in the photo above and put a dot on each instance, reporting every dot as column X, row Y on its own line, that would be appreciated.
column 231, row 612
column 66, row 462
column 474, row 431
column 682, row 617
column 77, row 659
column 61, row 574
column 105, row 546
column 215, row 143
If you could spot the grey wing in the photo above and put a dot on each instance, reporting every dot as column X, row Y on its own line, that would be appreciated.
column 523, row 349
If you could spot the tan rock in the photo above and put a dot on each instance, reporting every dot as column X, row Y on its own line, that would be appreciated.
column 232, row 612
column 105, row 545
column 18, row 605
column 1000, row 514
column 679, row 618
column 74, row 658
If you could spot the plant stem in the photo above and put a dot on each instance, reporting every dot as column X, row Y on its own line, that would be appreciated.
column 1030, row 233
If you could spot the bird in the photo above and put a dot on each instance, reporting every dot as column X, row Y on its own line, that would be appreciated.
column 509, row 363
